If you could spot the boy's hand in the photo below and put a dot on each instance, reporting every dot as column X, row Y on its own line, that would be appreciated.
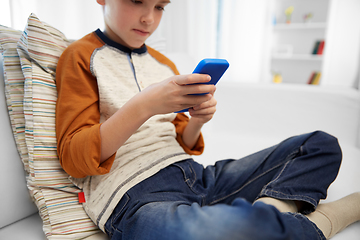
column 172, row 95
column 200, row 114
column 204, row 112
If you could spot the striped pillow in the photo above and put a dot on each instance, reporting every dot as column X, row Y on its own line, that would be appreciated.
column 27, row 105
column 14, row 89
column 56, row 197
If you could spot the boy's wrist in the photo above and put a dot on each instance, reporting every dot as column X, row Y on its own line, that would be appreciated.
column 191, row 133
column 139, row 102
column 197, row 122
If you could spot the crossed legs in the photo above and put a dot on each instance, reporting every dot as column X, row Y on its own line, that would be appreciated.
column 216, row 202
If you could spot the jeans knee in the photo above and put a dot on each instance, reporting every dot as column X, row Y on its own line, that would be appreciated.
column 328, row 146
column 330, row 141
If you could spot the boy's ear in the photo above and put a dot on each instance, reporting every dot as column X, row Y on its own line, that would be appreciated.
column 101, row 2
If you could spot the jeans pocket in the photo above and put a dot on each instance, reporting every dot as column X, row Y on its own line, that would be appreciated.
column 113, row 224
column 188, row 172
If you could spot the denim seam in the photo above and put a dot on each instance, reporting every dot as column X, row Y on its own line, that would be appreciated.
column 193, row 172
column 287, row 159
column 267, row 191
column 313, row 225
column 277, row 177
column 118, row 212
column 203, row 196
column 187, row 180
column 247, row 183
column 319, row 232
column 286, row 196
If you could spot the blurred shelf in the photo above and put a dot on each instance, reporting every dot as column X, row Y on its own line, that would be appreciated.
column 300, row 26
column 303, row 57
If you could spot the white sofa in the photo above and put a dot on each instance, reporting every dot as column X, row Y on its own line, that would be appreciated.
column 249, row 118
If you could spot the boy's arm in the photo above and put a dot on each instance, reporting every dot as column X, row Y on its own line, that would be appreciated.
column 200, row 115
column 78, row 116
column 189, row 131
column 181, row 123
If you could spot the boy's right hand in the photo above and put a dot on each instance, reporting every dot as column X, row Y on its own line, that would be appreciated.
column 168, row 96
column 172, row 94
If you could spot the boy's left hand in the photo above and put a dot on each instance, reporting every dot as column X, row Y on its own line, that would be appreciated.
column 204, row 112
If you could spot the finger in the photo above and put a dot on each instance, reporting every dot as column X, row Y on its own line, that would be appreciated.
column 213, row 92
column 203, row 111
column 205, row 117
column 190, row 101
column 198, row 89
column 208, row 104
column 192, row 79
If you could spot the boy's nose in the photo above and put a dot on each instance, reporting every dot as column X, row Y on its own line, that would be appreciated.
column 148, row 17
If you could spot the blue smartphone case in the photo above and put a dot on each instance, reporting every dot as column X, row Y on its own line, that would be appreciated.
column 213, row 67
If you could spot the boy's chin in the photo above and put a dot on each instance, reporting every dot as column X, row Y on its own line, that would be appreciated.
column 137, row 45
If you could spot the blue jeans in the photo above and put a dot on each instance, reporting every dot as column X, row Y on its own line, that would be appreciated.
column 186, row 202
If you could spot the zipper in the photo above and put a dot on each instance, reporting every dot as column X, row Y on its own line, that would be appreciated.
column 133, row 69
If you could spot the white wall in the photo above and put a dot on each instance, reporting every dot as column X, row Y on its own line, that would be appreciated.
column 73, row 18
column 5, row 16
column 243, row 38
column 190, row 29
column 342, row 63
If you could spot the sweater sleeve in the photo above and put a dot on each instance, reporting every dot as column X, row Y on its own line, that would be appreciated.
column 77, row 112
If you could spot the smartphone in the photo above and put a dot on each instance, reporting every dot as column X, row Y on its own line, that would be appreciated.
column 212, row 66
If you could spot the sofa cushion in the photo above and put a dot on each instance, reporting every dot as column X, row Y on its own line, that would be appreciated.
column 31, row 229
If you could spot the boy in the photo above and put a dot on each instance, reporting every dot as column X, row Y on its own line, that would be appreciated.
column 122, row 143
